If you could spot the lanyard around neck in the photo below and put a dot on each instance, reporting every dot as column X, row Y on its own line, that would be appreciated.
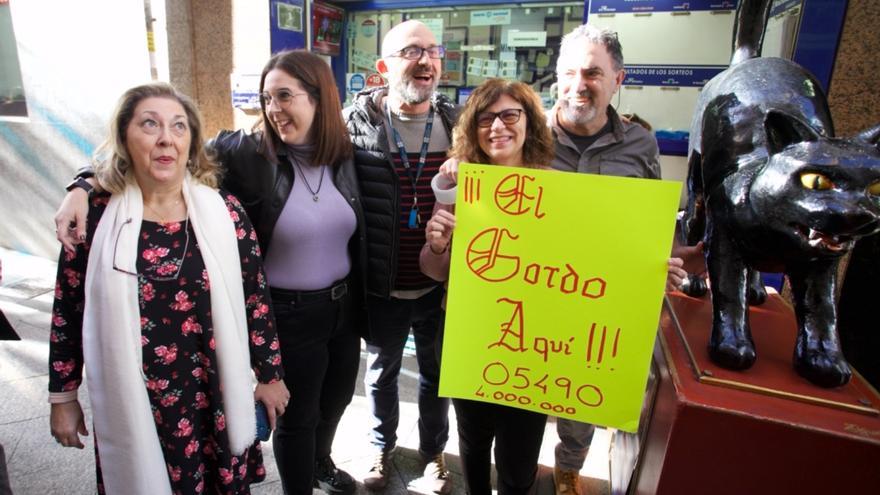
column 414, row 217
column 401, row 149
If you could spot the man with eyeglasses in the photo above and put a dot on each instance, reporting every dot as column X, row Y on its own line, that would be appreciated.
column 401, row 133
column 592, row 138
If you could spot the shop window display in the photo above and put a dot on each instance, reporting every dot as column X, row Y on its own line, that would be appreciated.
column 517, row 43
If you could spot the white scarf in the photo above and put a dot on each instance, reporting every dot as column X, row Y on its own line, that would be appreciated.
column 131, row 457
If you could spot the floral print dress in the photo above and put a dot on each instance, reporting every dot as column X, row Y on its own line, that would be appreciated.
column 179, row 360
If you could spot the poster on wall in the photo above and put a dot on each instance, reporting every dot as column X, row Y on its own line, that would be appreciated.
column 452, row 69
column 327, row 23
column 287, row 25
column 289, row 17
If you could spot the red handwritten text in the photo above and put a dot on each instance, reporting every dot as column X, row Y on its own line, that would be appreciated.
column 511, row 196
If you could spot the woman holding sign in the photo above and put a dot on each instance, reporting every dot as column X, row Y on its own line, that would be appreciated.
column 503, row 123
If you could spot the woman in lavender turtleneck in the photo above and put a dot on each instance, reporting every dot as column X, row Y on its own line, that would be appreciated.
column 295, row 177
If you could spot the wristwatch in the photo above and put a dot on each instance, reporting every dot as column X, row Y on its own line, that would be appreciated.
column 82, row 184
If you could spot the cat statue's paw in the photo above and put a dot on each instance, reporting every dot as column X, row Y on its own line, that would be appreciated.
column 822, row 367
column 732, row 349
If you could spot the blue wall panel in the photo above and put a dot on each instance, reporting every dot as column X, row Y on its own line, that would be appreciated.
column 285, row 39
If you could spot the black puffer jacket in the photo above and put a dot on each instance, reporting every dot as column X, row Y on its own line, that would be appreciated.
column 379, row 185
column 263, row 189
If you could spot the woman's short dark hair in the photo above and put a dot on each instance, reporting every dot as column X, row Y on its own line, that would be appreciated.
column 112, row 160
column 328, row 133
column 538, row 145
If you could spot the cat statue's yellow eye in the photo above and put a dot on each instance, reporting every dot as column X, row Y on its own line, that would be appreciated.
column 817, row 182
column 874, row 189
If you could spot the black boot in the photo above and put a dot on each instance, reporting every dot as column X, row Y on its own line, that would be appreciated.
column 332, row 479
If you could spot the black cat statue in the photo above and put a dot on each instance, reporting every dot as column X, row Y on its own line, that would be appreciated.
column 772, row 189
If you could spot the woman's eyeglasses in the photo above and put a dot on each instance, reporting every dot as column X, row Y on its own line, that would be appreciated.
column 148, row 275
column 415, row 52
column 508, row 116
column 283, row 98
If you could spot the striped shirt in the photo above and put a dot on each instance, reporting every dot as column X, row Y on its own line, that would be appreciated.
column 412, row 132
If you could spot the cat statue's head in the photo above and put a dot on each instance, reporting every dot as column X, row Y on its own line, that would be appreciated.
column 817, row 195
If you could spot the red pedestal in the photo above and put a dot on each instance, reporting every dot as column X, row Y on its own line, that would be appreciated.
column 762, row 431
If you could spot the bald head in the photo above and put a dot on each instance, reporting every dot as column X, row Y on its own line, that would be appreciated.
column 407, row 33
column 411, row 82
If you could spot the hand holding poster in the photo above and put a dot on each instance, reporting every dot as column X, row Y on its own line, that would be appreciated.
column 556, row 283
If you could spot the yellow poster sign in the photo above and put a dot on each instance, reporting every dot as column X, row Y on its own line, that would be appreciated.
column 555, row 289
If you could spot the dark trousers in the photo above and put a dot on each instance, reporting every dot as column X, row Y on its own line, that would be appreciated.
column 320, row 352
column 517, row 434
column 4, row 474
column 390, row 323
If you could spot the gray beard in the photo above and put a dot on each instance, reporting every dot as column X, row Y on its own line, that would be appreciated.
column 411, row 95
column 578, row 115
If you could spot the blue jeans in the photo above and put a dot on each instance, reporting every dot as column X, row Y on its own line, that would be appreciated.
column 390, row 323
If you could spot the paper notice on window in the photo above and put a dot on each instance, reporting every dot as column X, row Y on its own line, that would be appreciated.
column 490, row 68
column 475, row 66
column 527, row 38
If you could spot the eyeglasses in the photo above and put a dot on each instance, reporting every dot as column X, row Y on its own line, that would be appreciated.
column 150, row 276
column 415, row 52
column 283, row 98
column 509, row 116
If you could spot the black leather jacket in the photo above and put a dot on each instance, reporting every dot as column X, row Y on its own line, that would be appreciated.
column 379, row 183
column 263, row 188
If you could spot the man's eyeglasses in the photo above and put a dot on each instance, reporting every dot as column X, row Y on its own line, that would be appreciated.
column 508, row 116
column 150, row 276
column 283, row 98
column 415, row 52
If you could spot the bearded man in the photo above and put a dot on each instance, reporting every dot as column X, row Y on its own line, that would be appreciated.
column 401, row 133
column 591, row 138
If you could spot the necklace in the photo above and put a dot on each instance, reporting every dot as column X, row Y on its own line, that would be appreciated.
column 161, row 216
column 306, row 181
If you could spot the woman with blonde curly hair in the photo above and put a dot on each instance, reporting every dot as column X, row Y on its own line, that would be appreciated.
column 166, row 307
column 503, row 123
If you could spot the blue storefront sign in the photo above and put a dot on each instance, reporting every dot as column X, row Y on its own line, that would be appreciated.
column 671, row 75
column 637, row 6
